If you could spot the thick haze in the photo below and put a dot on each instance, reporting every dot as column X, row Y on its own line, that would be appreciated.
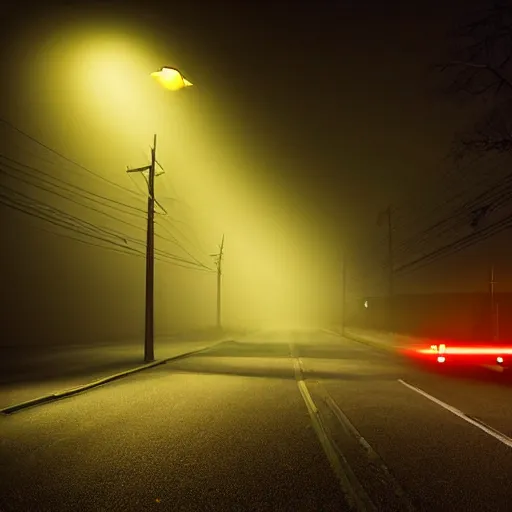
column 305, row 120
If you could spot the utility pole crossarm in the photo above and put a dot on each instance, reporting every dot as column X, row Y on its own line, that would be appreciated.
column 140, row 169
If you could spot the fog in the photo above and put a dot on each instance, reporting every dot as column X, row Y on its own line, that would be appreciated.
column 289, row 144
column 83, row 90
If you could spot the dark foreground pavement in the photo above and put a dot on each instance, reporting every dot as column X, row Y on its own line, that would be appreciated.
column 299, row 421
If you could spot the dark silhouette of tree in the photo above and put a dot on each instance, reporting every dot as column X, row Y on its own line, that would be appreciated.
column 480, row 66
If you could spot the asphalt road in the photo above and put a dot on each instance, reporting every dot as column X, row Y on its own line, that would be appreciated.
column 298, row 421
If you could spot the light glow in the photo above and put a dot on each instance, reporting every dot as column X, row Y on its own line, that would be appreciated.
column 279, row 261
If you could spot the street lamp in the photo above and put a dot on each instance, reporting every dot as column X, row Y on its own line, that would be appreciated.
column 173, row 80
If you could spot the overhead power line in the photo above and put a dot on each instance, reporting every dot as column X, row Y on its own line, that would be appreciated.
column 423, row 207
column 125, row 251
column 57, row 217
column 54, row 185
column 464, row 242
column 55, row 152
column 69, row 187
column 176, row 242
column 490, row 200
column 67, row 198
column 4, row 167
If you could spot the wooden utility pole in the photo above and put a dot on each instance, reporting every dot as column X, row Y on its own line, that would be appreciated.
column 494, row 307
column 388, row 213
column 390, row 252
column 218, row 262
column 149, row 341
column 344, row 292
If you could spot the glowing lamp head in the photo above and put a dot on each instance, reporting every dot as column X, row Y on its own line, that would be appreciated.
column 441, row 359
column 499, row 360
column 171, row 79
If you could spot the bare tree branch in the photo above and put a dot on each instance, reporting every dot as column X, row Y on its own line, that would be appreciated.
column 502, row 79
column 481, row 66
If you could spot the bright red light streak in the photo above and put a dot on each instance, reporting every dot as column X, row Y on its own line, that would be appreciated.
column 468, row 350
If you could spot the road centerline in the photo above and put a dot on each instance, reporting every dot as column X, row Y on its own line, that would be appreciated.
column 355, row 494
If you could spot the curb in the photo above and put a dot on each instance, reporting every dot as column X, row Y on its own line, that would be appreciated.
column 79, row 389
column 381, row 346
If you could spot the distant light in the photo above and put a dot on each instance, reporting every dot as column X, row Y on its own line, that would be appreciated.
column 499, row 360
column 442, row 348
column 171, row 79
column 441, row 359
column 366, row 304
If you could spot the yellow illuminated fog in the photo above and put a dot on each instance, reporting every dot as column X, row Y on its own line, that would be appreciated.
column 95, row 101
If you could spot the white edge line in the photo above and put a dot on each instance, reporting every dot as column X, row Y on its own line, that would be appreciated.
column 497, row 435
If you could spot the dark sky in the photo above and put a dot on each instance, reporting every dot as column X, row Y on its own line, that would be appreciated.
column 326, row 90
column 333, row 103
column 331, row 87
column 338, row 99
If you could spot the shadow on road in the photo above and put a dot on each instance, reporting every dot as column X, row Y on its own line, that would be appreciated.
column 61, row 370
column 284, row 373
column 272, row 360
column 27, row 365
column 312, row 349
column 251, row 359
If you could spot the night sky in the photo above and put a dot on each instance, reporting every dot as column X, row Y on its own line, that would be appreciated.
column 333, row 105
column 325, row 91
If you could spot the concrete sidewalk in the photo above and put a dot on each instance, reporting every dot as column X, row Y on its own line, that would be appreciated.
column 66, row 368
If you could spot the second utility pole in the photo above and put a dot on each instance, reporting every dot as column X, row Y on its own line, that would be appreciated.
column 388, row 212
column 390, row 251
column 219, row 278
column 391, row 276
column 149, row 345
column 494, row 308
column 344, row 293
